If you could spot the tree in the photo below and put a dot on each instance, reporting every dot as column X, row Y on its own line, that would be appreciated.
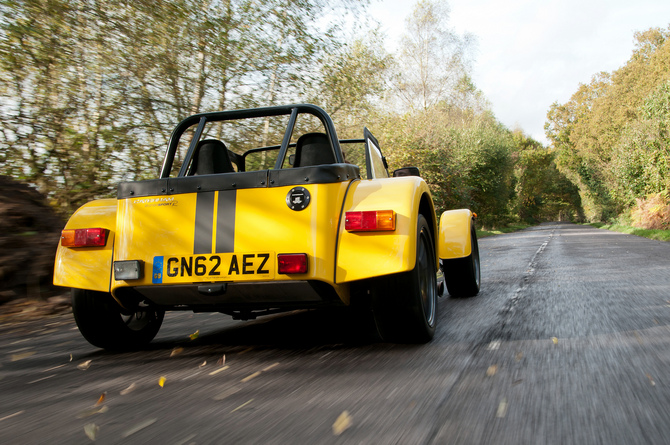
column 433, row 60
column 351, row 82
column 543, row 193
column 467, row 162
column 605, row 143
column 91, row 89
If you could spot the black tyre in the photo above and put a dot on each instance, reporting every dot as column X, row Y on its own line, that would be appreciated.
column 463, row 275
column 405, row 304
column 102, row 322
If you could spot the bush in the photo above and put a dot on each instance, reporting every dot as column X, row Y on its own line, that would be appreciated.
column 652, row 212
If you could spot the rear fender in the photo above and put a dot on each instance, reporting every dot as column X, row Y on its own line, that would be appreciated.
column 454, row 237
column 88, row 267
column 362, row 255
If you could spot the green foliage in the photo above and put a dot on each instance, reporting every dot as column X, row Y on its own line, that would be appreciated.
column 92, row 90
column 641, row 159
column 433, row 59
column 611, row 138
column 652, row 212
column 657, row 234
column 509, row 228
column 351, row 79
column 543, row 193
column 467, row 163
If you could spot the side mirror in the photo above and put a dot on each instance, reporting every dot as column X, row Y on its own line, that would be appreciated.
column 406, row 171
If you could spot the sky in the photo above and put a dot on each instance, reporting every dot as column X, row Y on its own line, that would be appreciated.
column 532, row 53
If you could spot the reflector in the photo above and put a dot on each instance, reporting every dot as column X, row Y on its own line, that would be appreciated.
column 290, row 263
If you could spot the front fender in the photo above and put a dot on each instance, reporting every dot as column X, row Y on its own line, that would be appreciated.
column 454, row 237
column 362, row 255
column 88, row 267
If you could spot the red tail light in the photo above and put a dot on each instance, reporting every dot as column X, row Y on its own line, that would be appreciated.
column 289, row 263
column 84, row 237
column 373, row 220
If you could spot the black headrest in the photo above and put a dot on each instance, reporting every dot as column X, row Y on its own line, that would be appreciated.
column 313, row 149
column 211, row 157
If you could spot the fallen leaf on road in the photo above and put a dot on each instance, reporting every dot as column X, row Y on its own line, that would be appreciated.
column 270, row 367
column 194, row 335
column 91, row 430
column 492, row 370
column 502, row 409
column 92, row 411
column 242, row 405
column 226, row 393
column 342, row 423
column 39, row 380
column 84, row 365
column 249, row 377
column 12, row 415
column 138, row 427
column 519, row 356
column 22, row 355
column 101, row 398
column 223, row 368
column 651, row 380
column 221, row 361
column 555, row 340
column 203, row 364
column 128, row 390
column 161, row 381
column 52, row 368
column 176, row 351
column 70, row 357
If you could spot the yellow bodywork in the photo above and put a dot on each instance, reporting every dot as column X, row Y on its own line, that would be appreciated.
column 263, row 222
column 363, row 255
column 454, row 239
column 157, row 229
column 88, row 267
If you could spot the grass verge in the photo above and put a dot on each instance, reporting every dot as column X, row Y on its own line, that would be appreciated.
column 661, row 235
column 482, row 233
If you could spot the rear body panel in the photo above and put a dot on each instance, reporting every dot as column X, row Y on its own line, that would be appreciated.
column 86, row 267
column 231, row 236
column 364, row 255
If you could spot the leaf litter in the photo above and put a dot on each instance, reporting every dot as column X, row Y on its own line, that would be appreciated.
column 342, row 423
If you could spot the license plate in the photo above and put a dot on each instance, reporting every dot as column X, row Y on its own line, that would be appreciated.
column 213, row 267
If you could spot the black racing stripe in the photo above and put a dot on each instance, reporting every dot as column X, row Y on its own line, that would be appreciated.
column 225, row 221
column 204, row 222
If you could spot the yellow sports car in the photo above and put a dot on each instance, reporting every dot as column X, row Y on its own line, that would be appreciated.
column 263, row 210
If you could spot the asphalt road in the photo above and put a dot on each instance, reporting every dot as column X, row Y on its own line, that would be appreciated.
column 567, row 343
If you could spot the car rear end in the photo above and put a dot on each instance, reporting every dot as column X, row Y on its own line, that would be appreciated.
column 232, row 242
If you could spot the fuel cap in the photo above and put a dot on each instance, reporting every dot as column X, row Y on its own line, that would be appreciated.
column 297, row 198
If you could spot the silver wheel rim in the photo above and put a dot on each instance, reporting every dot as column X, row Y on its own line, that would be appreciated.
column 138, row 320
column 475, row 260
column 427, row 280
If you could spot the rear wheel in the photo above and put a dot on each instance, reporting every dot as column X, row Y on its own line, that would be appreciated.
column 104, row 324
column 463, row 275
column 405, row 304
